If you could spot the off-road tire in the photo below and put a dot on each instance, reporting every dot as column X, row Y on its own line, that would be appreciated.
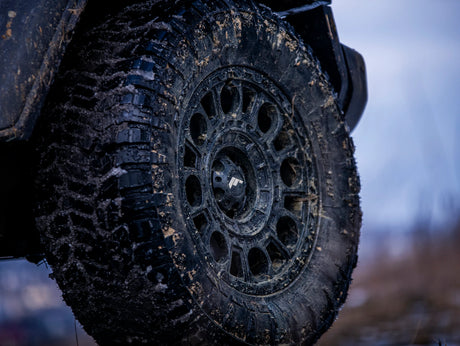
column 144, row 122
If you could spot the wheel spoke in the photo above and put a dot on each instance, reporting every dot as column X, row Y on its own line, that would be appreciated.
column 201, row 221
column 191, row 156
column 209, row 105
column 277, row 252
column 191, row 171
column 296, row 192
column 253, row 111
column 289, row 152
column 250, row 97
column 239, row 87
column 200, row 151
column 281, row 247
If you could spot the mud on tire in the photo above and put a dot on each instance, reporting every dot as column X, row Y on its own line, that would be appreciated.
column 196, row 181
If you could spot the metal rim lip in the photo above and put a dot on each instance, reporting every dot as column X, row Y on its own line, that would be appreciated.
column 260, row 242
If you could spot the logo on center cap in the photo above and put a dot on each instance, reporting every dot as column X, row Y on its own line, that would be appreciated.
column 234, row 182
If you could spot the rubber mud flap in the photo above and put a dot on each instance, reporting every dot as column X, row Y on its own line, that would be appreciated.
column 197, row 182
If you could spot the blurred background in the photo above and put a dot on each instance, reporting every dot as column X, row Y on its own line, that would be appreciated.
column 406, row 288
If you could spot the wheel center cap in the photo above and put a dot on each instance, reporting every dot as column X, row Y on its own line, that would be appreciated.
column 229, row 186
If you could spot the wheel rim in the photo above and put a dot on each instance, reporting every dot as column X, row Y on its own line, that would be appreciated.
column 247, row 181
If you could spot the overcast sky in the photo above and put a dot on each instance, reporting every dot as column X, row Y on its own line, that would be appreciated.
column 408, row 141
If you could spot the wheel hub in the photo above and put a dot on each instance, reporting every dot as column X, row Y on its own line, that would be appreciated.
column 248, row 181
column 229, row 186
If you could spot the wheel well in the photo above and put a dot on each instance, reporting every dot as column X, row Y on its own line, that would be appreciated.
column 18, row 236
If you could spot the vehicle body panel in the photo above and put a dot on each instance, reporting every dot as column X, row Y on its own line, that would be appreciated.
column 32, row 42
column 34, row 35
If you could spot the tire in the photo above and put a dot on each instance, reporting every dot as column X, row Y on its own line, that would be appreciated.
column 196, row 182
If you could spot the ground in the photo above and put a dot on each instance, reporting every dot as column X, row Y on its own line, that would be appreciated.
column 412, row 297
column 409, row 299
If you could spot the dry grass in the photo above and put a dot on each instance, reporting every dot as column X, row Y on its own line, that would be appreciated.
column 413, row 299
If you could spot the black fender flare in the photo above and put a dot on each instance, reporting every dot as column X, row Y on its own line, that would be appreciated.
column 33, row 37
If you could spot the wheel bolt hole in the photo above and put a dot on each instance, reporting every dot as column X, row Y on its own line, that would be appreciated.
column 229, row 98
column 198, row 128
column 236, row 268
column 282, row 141
column 218, row 166
column 218, row 246
column 193, row 191
column 200, row 222
column 290, row 171
column 258, row 262
column 219, row 194
column 276, row 256
column 286, row 230
column 266, row 117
